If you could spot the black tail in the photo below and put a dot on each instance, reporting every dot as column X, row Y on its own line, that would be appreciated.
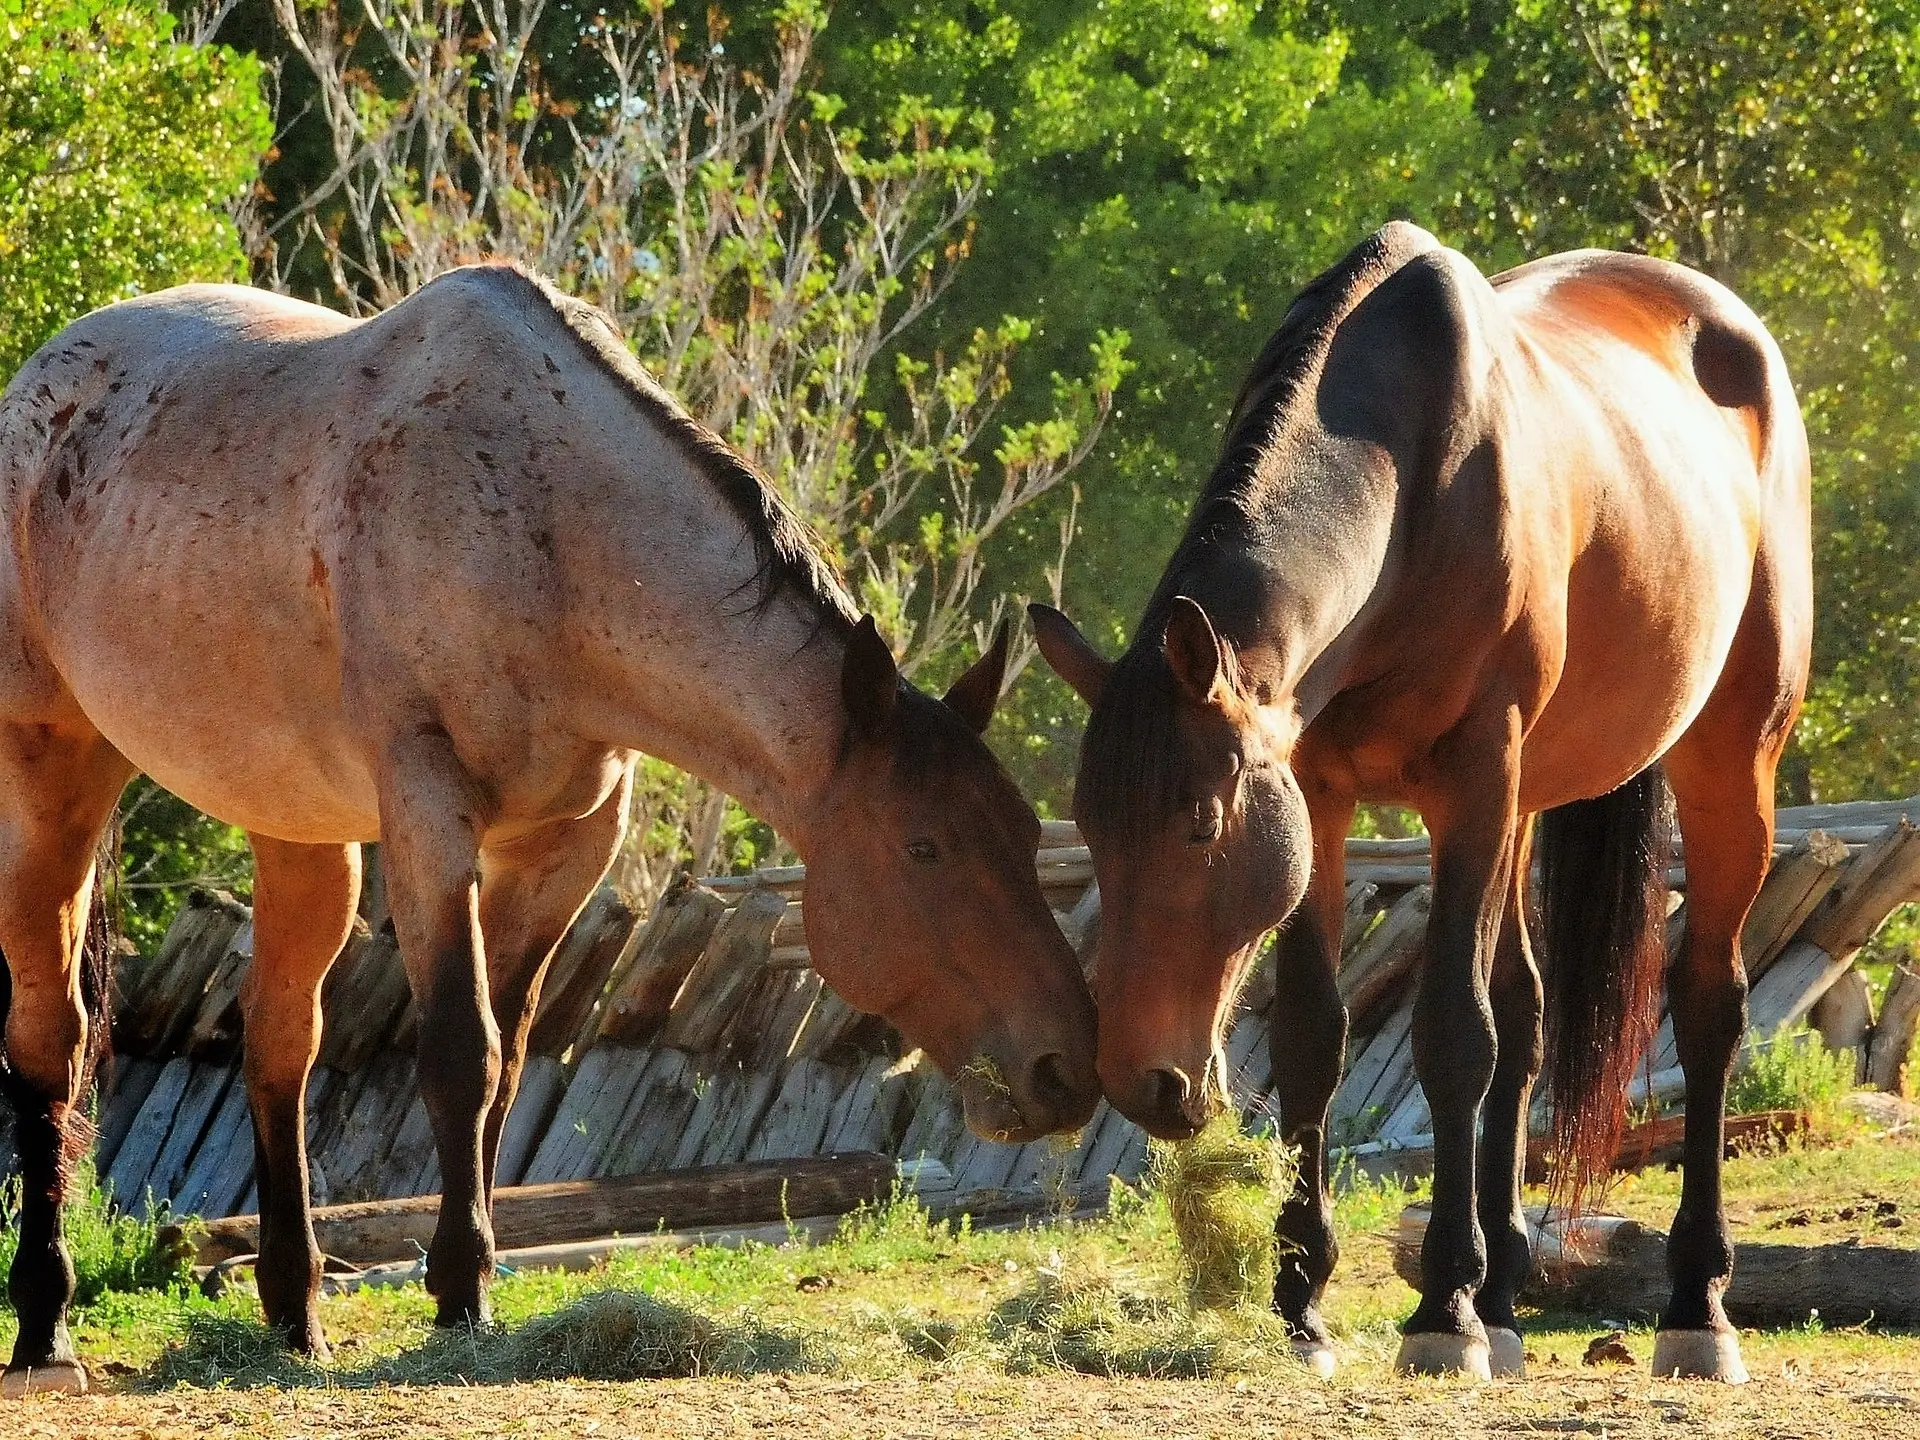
column 1603, row 908
column 96, row 995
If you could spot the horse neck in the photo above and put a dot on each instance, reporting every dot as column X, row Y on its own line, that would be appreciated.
column 749, row 703
column 1287, row 567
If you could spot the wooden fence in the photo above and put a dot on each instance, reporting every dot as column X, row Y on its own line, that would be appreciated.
column 699, row 1035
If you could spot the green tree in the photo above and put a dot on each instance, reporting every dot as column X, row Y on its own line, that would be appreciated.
column 120, row 151
column 1773, row 145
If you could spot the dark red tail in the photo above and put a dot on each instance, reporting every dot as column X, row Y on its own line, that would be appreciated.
column 1603, row 911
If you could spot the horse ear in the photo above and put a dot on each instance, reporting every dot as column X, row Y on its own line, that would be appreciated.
column 869, row 680
column 1193, row 649
column 1067, row 651
column 975, row 693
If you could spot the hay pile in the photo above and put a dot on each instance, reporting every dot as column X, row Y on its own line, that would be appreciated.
column 608, row 1335
column 1223, row 1190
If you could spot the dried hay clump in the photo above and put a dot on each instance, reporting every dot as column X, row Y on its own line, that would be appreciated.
column 607, row 1335
column 1082, row 1321
column 1224, row 1189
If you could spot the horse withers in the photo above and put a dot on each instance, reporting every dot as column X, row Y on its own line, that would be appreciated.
column 435, row 579
column 1489, row 549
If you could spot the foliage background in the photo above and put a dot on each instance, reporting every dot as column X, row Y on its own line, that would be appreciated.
column 1170, row 170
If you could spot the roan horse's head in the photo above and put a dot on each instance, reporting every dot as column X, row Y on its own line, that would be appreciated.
column 1200, row 843
column 925, row 908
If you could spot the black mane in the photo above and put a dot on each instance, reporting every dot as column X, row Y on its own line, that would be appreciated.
column 1130, row 775
column 785, row 553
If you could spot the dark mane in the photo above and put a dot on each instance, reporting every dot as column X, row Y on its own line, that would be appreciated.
column 785, row 552
column 1130, row 776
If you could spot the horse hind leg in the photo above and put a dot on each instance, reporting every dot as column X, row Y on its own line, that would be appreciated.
column 303, row 904
column 1722, row 775
column 1514, row 991
column 59, row 790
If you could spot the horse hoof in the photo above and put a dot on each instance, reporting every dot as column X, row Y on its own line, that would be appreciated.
column 59, row 1377
column 1506, row 1352
column 1698, row 1355
column 1435, row 1354
column 1317, row 1356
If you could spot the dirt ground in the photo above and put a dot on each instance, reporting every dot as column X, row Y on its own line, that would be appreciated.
column 1878, row 1398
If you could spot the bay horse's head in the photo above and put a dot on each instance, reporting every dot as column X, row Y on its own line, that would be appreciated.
column 922, row 904
column 1200, row 843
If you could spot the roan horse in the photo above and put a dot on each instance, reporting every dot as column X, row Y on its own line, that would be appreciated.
column 435, row 578
column 1487, row 549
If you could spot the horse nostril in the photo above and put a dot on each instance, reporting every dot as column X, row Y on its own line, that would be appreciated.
column 1049, row 1084
column 1167, row 1092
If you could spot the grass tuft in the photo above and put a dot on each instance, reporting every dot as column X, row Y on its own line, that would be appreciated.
column 1223, row 1190
column 112, row 1253
column 1791, row 1070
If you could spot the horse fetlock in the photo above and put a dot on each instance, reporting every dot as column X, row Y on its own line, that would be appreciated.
column 43, row 1360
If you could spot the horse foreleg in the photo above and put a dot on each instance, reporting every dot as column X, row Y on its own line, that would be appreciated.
column 1472, row 817
column 58, row 793
column 303, row 903
column 533, row 889
column 1516, row 999
column 1308, row 1040
column 431, row 818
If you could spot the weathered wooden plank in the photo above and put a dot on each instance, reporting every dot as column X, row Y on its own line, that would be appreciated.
column 580, row 970
column 525, row 1215
column 590, row 1114
column 222, row 1165
column 732, row 961
column 797, row 1120
column 130, row 1084
column 205, row 1088
column 323, row 1083
column 213, row 1033
column 654, row 964
column 936, row 1122
column 865, row 1114
column 353, row 1162
column 154, row 1018
column 1375, row 1058
column 655, row 1116
column 543, row 1080
column 1793, row 889
column 134, row 1157
column 830, row 1030
column 362, row 1001
column 1374, row 977
column 1888, row 1058
column 1362, row 914
column 982, row 1164
column 1107, row 1154
column 730, row 1110
column 412, row 1166
column 761, row 1028
column 1843, row 1017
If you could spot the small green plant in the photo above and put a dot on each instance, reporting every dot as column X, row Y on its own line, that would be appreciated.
column 1223, row 1190
column 112, row 1253
column 1790, row 1070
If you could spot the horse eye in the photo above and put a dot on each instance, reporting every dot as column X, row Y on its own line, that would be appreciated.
column 923, row 850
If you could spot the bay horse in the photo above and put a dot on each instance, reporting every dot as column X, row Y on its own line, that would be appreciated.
column 1489, row 549
column 434, row 579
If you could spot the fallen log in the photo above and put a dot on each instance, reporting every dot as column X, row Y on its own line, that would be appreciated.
column 1619, row 1269
column 530, row 1215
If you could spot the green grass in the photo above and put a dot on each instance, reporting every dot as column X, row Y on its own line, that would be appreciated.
column 1790, row 1070
column 112, row 1253
column 897, row 1295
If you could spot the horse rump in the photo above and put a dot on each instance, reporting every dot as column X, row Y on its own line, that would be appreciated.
column 1603, row 911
